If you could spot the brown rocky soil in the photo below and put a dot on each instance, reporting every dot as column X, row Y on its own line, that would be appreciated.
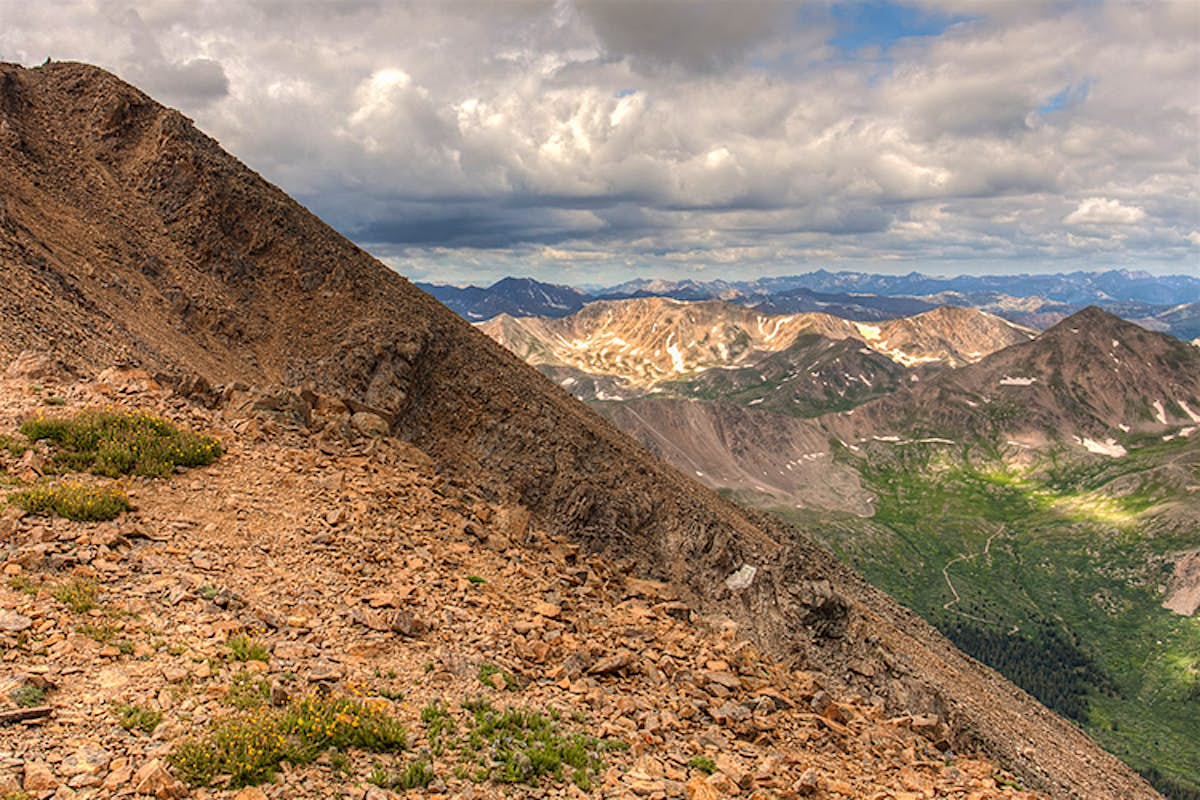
column 361, row 570
column 128, row 237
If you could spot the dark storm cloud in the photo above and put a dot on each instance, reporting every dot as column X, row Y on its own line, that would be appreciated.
column 194, row 83
column 702, row 35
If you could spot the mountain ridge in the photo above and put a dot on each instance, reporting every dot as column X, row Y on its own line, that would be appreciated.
column 646, row 341
column 997, row 295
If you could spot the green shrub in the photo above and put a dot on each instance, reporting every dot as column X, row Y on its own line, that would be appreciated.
column 100, row 633
column 342, row 722
column 416, row 775
column 140, row 718
column 78, row 595
column 379, row 776
column 24, row 584
column 487, row 671
column 243, row 648
column 522, row 746
column 248, row 749
column 27, row 695
column 247, row 692
column 115, row 443
column 704, row 764
column 438, row 724
column 84, row 502
column 12, row 446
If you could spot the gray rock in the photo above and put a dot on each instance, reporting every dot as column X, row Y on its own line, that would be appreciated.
column 742, row 578
column 13, row 622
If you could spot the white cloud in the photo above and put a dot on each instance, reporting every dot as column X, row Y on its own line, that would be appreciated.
column 1103, row 211
column 672, row 136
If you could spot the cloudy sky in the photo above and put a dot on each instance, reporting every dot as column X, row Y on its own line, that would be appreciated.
column 591, row 141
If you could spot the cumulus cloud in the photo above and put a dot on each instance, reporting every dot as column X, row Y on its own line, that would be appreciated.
column 476, row 139
column 1103, row 211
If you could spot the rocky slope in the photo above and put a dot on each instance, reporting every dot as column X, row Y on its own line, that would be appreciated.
column 786, row 463
column 359, row 571
column 128, row 235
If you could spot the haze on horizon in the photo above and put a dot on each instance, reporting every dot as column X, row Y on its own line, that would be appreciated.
column 594, row 141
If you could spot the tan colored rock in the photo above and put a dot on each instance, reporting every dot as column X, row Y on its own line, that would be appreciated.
column 734, row 770
column 154, row 779
column 549, row 610
column 723, row 784
column 699, row 789
column 250, row 793
column 38, row 777
column 86, row 761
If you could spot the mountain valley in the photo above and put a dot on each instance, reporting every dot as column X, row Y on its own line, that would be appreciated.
column 1038, row 504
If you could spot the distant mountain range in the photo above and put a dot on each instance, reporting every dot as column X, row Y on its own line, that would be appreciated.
column 666, row 346
column 518, row 297
column 1170, row 304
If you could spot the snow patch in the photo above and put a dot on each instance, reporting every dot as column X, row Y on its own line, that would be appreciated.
column 1108, row 447
column 904, row 359
column 1159, row 413
column 676, row 355
column 869, row 332
column 1007, row 381
column 1192, row 415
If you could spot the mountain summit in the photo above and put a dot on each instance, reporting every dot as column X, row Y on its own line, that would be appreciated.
column 130, row 237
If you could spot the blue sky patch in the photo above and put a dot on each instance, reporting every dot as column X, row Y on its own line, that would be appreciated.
column 882, row 23
column 1070, row 96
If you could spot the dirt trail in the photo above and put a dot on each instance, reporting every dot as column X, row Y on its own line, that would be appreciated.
column 950, row 584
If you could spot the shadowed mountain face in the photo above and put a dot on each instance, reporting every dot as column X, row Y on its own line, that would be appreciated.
column 517, row 297
column 127, row 235
column 1093, row 377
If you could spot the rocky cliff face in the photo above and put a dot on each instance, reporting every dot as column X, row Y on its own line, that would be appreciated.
column 129, row 236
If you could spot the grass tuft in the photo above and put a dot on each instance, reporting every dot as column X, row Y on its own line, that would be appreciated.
column 27, row 695
column 137, row 718
column 115, row 443
column 248, row 749
column 83, row 502
column 243, row 648
column 522, row 746
column 78, row 595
